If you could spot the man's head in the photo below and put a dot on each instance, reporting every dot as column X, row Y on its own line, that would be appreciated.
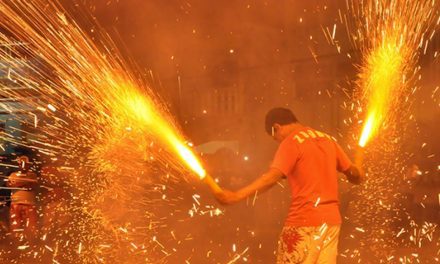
column 278, row 123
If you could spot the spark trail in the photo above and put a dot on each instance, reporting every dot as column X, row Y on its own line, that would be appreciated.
column 391, row 35
column 98, row 127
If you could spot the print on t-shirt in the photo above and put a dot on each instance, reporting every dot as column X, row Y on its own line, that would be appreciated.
column 303, row 135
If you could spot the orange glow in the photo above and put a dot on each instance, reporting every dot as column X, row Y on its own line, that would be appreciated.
column 367, row 131
column 188, row 156
column 390, row 34
column 144, row 113
column 382, row 79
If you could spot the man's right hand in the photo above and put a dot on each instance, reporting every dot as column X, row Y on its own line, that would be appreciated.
column 355, row 175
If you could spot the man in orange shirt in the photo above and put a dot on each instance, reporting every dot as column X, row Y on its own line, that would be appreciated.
column 309, row 159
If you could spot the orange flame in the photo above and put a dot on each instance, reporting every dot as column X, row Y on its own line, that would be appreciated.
column 143, row 111
column 391, row 34
column 383, row 79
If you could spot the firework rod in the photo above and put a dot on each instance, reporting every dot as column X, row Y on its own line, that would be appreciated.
column 212, row 184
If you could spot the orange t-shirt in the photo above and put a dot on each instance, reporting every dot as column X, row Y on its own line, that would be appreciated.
column 309, row 159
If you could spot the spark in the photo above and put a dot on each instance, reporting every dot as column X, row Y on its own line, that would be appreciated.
column 51, row 107
column 317, row 202
column 254, row 198
column 79, row 248
column 23, row 247
column 238, row 256
column 360, row 229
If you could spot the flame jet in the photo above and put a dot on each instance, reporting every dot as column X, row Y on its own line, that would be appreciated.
column 390, row 34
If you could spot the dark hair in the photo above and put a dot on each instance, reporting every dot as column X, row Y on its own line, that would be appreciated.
column 279, row 115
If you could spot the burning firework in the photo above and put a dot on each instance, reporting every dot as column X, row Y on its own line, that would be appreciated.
column 391, row 35
column 100, row 129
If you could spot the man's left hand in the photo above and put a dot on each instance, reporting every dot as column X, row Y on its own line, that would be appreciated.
column 227, row 197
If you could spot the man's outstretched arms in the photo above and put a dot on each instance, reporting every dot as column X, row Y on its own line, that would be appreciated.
column 263, row 183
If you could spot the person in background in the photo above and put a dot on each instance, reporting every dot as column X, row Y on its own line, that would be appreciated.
column 23, row 213
column 309, row 159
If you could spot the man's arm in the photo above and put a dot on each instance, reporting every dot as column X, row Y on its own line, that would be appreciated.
column 354, row 171
column 263, row 183
column 283, row 162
